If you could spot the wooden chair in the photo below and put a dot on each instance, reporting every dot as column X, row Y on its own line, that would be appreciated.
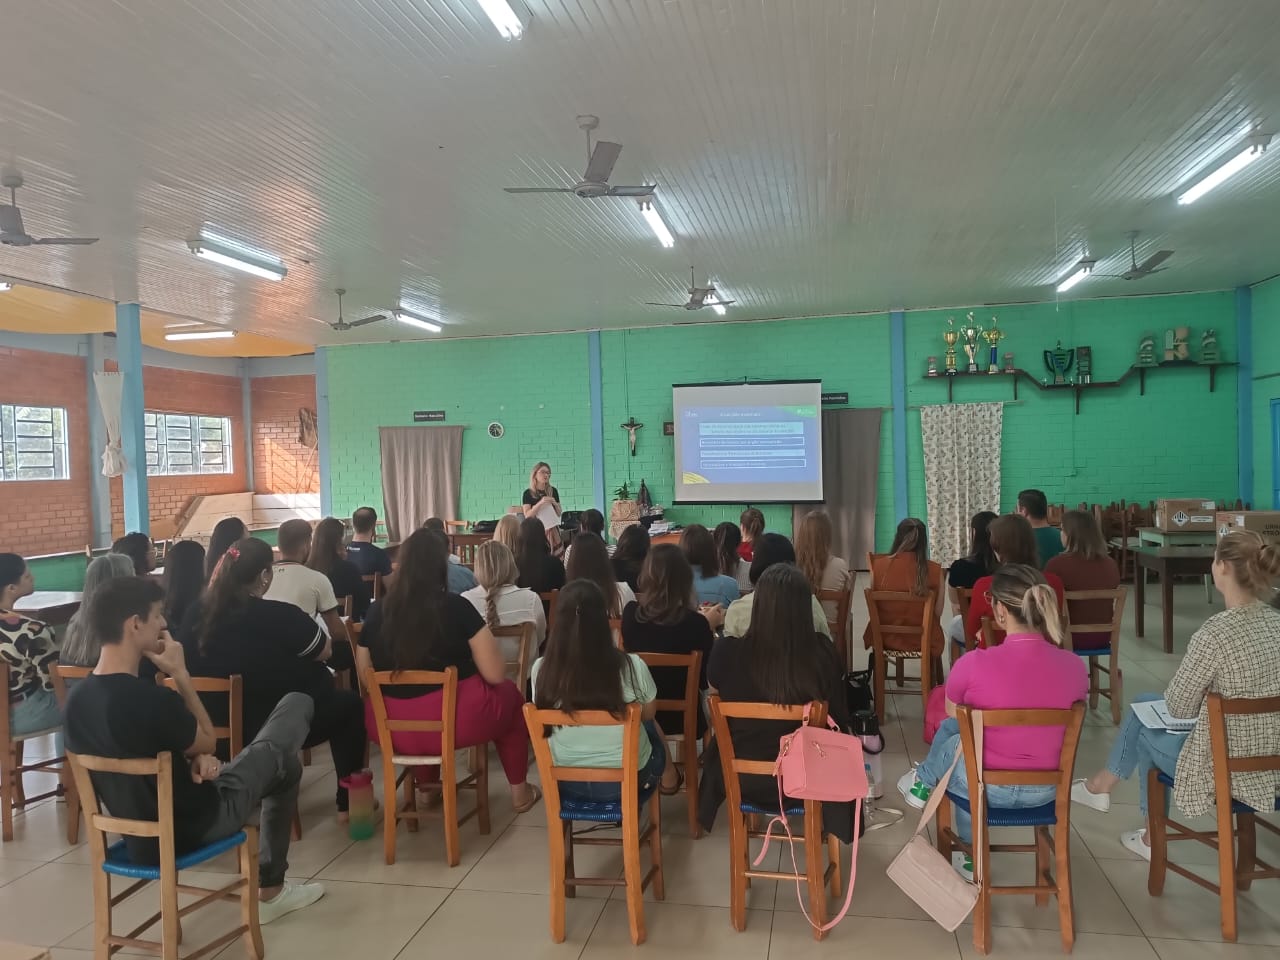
column 920, row 634
column 476, row 780
column 549, row 607
column 817, row 874
column 961, row 598
column 60, row 673
column 348, row 606
column 1114, row 690
column 12, row 793
column 232, row 688
column 563, row 814
column 464, row 546
column 687, row 736
column 113, row 861
column 1236, row 843
column 1051, row 822
column 842, row 601
column 526, row 636
column 376, row 589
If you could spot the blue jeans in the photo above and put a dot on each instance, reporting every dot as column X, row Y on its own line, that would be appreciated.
column 1139, row 749
column 946, row 744
column 650, row 775
column 37, row 711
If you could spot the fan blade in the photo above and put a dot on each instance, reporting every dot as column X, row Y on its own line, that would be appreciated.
column 650, row 303
column 603, row 157
column 361, row 323
column 1149, row 265
column 67, row 241
column 11, row 220
column 719, row 303
column 645, row 191
column 537, row 190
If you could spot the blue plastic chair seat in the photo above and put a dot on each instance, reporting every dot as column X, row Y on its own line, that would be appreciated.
column 1236, row 805
column 119, row 864
column 767, row 812
column 1041, row 816
column 1097, row 652
column 592, row 811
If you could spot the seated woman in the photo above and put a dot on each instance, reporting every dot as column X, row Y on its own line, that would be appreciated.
column 668, row 621
column 589, row 521
column 539, row 570
column 751, row 526
column 28, row 648
column 183, row 580
column 906, row 568
column 1013, row 542
column 592, row 563
column 771, row 549
column 420, row 625
column 629, row 554
column 79, row 646
column 813, row 557
column 138, row 548
column 1029, row 671
column 728, row 537
column 227, row 531
column 1085, row 564
column 968, row 570
column 710, row 585
column 329, row 556
column 499, row 601
column 507, row 532
column 1236, row 653
column 781, row 660
column 277, row 649
column 584, row 670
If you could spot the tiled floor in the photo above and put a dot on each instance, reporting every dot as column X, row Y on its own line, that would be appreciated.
column 494, row 903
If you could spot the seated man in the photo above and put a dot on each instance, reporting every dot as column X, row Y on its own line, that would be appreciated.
column 112, row 713
column 1034, row 505
column 362, row 551
column 292, row 581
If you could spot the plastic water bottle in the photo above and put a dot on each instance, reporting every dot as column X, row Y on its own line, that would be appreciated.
column 867, row 729
column 360, row 825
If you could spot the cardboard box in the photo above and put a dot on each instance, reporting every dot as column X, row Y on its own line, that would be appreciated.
column 1186, row 516
column 1265, row 522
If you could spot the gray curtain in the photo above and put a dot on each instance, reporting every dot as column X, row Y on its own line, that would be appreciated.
column 421, row 476
column 850, row 477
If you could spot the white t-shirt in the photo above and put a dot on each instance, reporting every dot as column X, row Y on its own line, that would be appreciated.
column 515, row 605
column 308, row 590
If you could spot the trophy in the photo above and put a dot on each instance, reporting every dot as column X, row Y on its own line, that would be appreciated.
column 1059, row 361
column 1175, row 344
column 993, row 336
column 1084, row 364
column 1146, row 351
column 1008, row 363
column 1209, row 347
column 933, row 367
column 971, row 332
column 950, row 337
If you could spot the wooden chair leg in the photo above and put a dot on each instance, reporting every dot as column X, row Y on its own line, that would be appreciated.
column 878, row 680
column 556, row 839
column 73, row 803
column 926, row 680
column 689, row 759
column 249, row 895
column 982, row 913
column 449, row 783
column 1157, row 833
column 942, row 828
column 815, row 867
column 634, row 877
column 1042, row 864
column 737, row 870
column 1247, row 845
column 659, row 883
column 900, row 672
column 571, row 890
column 480, row 764
column 171, row 934
column 102, row 914
column 1094, row 684
column 410, row 802
column 1117, row 691
column 833, row 856
column 7, row 776
column 1066, row 899
column 1227, row 874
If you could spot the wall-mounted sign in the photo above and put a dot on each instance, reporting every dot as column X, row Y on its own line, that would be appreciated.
column 831, row 399
column 428, row 416
column 668, row 428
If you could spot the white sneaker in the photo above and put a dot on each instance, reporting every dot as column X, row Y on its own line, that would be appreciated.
column 912, row 790
column 1082, row 795
column 962, row 863
column 294, row 896
column 1133, row 843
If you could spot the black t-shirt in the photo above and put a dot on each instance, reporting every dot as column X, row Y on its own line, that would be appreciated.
column 547, row 576
column 369, row 559
column 272, row 645
column 348, row 582
column 461, row 623
column 965, row 572
column 124, row 718
column 626, row 570
column 530, row 498
column 690, row 634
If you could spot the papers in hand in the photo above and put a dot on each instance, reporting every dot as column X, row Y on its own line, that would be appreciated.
column 547, row 514
column 1154, row 715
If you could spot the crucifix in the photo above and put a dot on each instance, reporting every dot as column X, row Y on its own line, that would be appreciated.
column 631, row 427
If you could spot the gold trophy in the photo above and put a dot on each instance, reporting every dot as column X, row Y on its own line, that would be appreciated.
column 993, row 336
column 971, row 331
column 950, row 337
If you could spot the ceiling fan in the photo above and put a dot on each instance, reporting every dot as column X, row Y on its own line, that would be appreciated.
column 600, row 161
column 699, row 297
column 12, row 232
column 1148, row 266
column 342, row 324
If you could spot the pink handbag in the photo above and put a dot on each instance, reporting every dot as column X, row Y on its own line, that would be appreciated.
column 817, row 763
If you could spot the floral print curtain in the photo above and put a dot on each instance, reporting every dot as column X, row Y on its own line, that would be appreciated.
column 961, row 471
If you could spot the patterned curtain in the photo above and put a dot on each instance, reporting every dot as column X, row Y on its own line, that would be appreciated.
column 961, row 471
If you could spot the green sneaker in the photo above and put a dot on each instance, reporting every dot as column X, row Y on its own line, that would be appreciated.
column 913, row 790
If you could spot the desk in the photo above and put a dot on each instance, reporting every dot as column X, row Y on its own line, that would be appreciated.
column 1176, row 538
column 53, row 607
column 1167, row 562
column 671, row 537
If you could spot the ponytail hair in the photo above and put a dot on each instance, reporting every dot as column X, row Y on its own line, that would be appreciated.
column 1253, row 562
column 1023, row 588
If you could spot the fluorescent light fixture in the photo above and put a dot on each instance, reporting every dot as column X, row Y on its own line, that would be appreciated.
column 506, row 16
column 1257, row 147
column 231, row 253
column 1083, row 269
column 202, row 335
column 5, row 286
column 414, row 320
column 656, row 224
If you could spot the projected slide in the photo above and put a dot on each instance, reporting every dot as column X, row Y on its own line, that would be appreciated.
column 748, row 443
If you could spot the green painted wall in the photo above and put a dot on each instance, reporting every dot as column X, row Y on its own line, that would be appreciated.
column 1266, row 387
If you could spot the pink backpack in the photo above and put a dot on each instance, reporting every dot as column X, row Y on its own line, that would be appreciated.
column 816, row 763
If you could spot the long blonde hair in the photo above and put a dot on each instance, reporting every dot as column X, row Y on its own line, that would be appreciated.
column 1024, row 590
column 1083, row 535
column 912, row 538
column 533, row 474
column 1254, row 563
column 508, row 531
column 495, row 569
column 813, row 547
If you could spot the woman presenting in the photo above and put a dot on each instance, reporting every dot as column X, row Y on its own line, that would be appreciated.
column 540, row 494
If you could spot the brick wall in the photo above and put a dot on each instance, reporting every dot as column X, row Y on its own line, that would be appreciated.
column 280, row 463
column 52, row 516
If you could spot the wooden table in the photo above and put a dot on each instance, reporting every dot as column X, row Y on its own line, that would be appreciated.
column 1167, row 562
column 54, row 607
column 1176, row 538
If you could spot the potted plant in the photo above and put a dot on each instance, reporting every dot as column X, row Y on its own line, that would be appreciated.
column 624, row 510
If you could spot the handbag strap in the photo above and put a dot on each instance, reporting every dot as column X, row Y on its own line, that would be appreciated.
column 978, row 804
column 935, row 797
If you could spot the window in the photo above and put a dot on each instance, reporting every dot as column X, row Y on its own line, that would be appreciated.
column 34, row 440
column 185, row 443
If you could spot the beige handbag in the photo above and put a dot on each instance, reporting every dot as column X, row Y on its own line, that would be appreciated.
column 924, row 874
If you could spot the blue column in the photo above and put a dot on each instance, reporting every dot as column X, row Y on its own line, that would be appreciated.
column 246, row 416
column 1244, row 391
column 322, row 431
column 137, row 509
column 99, row 486
column 898, row 417
column 594, row 373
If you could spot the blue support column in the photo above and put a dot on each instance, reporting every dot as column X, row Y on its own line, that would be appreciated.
column 594, row 373
column 137, row 509
column 898, row 417
column 322, row 431
column 99, row 486
column 246, row 416
column 1244, row 391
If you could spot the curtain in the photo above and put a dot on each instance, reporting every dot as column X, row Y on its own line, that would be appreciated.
column 110, row 390
column 850, row 477
column 961, row 471
column 421, row 476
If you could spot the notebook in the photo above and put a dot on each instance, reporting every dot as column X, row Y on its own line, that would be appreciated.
column 1154, row 715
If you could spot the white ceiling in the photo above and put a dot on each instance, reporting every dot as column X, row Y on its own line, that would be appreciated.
column 815, row 156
